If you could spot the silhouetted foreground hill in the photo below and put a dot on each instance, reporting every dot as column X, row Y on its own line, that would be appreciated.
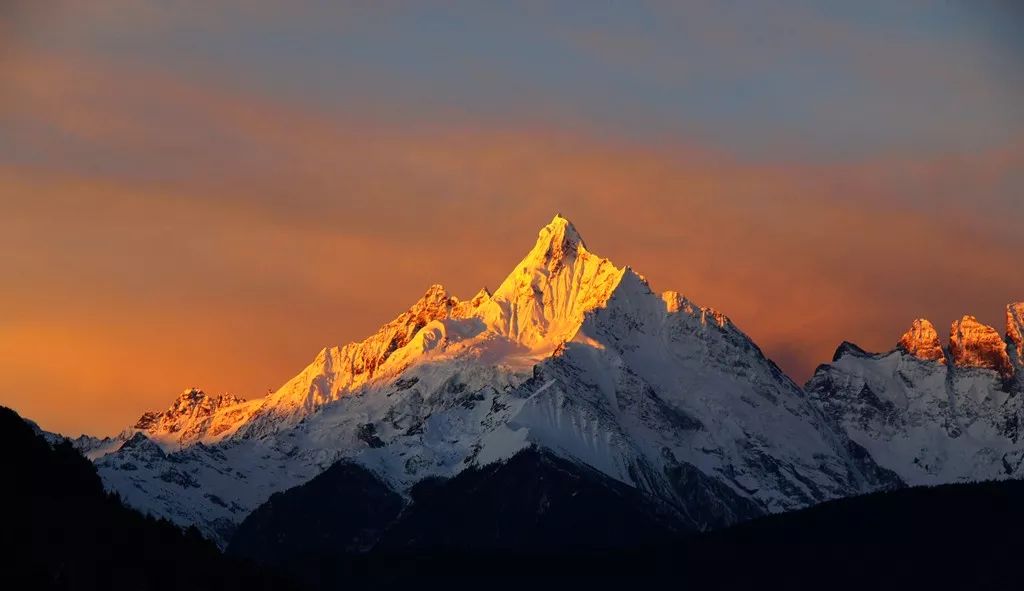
column 534, row 502
column 957, row 535
column 538, row 517
column 60, row 530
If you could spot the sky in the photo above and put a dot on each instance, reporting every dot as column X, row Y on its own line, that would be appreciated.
column 206, row 194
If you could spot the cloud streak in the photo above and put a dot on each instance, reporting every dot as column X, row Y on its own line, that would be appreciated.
column 165, row 233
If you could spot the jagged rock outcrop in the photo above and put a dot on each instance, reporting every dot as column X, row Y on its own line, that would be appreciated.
column 922, row 341
column 1015, row 332
column 973, row 344
column 195, row 416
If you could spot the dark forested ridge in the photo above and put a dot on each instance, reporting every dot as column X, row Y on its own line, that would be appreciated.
column 60, row 530
column 346, row 522
column 538, row 517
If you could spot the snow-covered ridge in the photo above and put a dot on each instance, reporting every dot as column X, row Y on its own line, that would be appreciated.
column 933, row 414
column 570, row 353
column 535, row 310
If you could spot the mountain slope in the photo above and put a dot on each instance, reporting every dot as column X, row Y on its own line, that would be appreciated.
column 571, row 354
column 932, row 414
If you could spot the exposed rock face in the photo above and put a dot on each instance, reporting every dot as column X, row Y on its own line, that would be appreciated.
column 194, row 417
column 973, row 344
column 1015, row 330
column 361, row 360
column 436, row 304
column 922, row 342
column 191, row 402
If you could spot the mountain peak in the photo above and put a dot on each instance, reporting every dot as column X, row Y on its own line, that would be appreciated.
column 542, row 301
column 973, row 344
column 191, row 396
column 436, row 295
column 556, row 241
column 922, row 341
column 562, row 223
column 559, row 219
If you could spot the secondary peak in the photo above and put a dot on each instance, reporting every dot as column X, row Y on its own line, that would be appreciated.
column 974, row 344
column 922, row 341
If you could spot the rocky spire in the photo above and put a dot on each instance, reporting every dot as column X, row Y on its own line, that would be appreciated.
column 543, row 300
column 973, row 344
column 922, row 341
column 1015, row 329
column 556, row 242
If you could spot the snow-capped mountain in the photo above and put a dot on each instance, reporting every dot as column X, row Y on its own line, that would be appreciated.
column 929, row 413
column 571, row 354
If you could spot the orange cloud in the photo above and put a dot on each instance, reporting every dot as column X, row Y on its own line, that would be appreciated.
column 222, row 238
